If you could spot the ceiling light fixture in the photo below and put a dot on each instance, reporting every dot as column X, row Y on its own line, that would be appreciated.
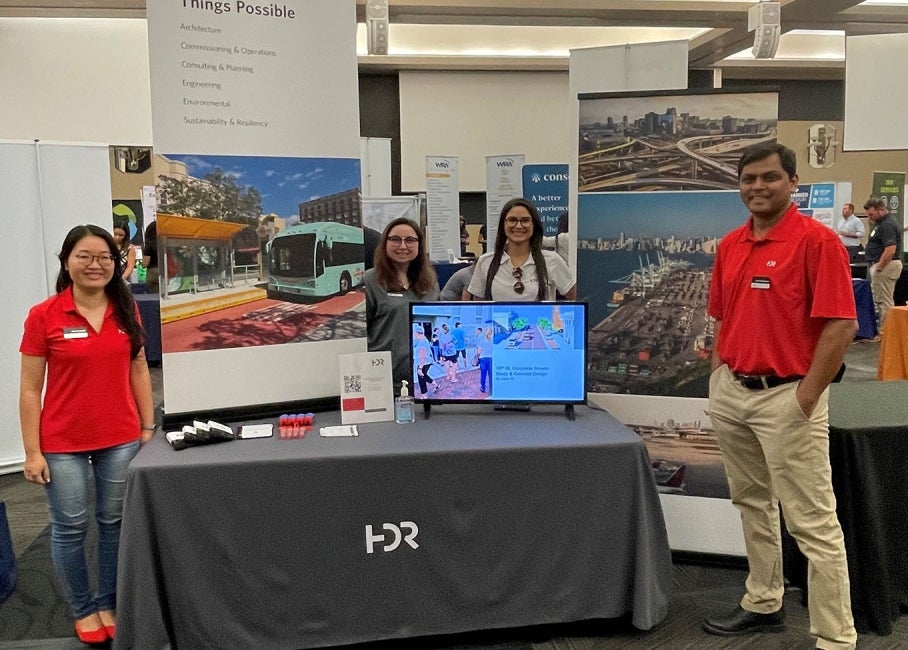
column 764, row 20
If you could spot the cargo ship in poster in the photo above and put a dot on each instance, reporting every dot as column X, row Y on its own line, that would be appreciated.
column 657, row 338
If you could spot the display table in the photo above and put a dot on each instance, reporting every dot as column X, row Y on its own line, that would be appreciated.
column 150, row 311
column 868, row 448
column 893, row 360
column 863, row 301
column 522, row 519
column 444, row 271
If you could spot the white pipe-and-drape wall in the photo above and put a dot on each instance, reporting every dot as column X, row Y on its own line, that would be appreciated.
column 46, row 189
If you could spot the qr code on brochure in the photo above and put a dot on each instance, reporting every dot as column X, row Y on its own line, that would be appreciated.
column 353, row 383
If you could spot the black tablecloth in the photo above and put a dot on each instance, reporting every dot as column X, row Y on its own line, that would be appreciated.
column 868, row 451
column 522, row 518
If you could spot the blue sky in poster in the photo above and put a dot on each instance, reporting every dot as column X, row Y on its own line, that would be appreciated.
column 659, row 214
column 284, row 183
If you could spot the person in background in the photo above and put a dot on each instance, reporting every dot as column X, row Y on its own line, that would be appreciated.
column 449, row 354
column 422, row 360
column 96, row 412
column 484, row 354
column 127, row 252
column 783, row 303
column 456, row 286
column 518, row 269
column 436, row 346
column 482, row 238
column 560, row 241
column 464, row 237
column 150, row 258
column 884, row 255
column 401, row 274
column 460, row 342
column 851, row 231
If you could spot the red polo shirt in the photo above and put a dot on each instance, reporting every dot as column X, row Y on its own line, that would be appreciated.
column 774, row 296
column 88, row 401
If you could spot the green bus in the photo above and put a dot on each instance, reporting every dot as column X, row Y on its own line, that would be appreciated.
column 311, row 260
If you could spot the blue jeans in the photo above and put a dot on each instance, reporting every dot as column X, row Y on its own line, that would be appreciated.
column 67, row 500
column 485, row 372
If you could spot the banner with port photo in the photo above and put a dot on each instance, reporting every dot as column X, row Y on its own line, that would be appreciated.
column 657, row 190
column 504, row 181
column 442, row 208
column 260, row 238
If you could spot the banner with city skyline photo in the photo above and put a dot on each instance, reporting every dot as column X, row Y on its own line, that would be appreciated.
column 657, row 190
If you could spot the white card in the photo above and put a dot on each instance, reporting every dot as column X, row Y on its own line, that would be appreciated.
column 366, row 387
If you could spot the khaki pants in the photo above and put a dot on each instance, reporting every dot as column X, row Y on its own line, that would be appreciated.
column 882, row 284
column 774, row 454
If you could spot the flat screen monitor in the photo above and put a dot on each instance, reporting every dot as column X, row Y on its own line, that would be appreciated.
column 516, row 353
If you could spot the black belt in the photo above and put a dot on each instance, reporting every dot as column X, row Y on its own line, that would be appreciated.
column 759, row 382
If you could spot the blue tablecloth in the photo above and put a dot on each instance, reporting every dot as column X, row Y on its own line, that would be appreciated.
column 863, row 300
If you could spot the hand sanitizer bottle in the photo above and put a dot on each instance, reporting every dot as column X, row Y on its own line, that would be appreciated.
column 403, row 405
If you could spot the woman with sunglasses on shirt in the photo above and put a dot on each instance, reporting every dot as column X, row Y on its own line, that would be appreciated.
column 401, row 274
column 518, row 268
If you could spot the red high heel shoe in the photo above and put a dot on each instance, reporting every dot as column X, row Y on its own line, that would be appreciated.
column 92, row 637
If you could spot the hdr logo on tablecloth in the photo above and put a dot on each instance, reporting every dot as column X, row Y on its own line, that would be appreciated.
column 397, row 535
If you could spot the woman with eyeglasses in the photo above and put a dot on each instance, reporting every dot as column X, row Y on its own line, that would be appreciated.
column 519, row 269
column 401, row 274
column 96, row 412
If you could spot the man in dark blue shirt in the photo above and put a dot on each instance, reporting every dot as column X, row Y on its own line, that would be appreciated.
column 883, row 253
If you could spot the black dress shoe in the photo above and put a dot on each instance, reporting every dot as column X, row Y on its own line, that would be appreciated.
column 740, row 621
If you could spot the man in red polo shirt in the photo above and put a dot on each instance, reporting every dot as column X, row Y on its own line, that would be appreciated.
column 784, row 307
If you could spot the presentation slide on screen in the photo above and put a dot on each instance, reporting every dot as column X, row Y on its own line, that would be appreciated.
column 499, row 351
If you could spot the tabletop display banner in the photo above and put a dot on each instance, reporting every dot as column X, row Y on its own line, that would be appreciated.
column 890, row 186
column 442, row 208
column 503, row 183
column 366, row 388
column 547, row 187
column 255, row 118
column 817, row 200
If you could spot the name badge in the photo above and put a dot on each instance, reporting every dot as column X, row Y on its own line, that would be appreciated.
column 395, row 295
column 75, row 332
column 759, row 282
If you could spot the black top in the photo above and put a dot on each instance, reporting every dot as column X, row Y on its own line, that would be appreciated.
column 885, row 232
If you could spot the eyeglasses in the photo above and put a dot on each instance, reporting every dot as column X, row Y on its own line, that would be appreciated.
column 104, row 259
column 407, row 241
column 518, row 276
column 513, row 221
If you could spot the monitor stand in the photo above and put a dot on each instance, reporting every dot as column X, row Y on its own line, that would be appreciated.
column 512, row 406
column 517, row 406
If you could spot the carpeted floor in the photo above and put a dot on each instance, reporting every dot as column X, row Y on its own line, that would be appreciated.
column 35, row 616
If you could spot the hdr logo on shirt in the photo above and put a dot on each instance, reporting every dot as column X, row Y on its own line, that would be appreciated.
column 396, row 536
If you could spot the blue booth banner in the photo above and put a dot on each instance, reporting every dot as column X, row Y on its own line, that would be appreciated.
column 547, row 187
column 817, row 200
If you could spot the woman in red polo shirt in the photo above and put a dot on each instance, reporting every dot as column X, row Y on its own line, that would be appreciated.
column 97, row 410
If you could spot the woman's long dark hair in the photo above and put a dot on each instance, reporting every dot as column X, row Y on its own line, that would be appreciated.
column 420, row 271
column 123, row 225
column 124, row 305
column 501, row 239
